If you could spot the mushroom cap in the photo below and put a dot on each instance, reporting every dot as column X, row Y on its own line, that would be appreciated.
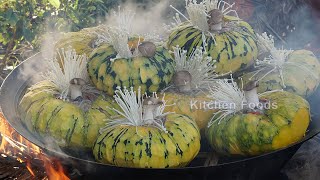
column 181, row 78
column 147, row 49
column 152, row 101
column 251, row 85
column 216, row 16
column 77, row 81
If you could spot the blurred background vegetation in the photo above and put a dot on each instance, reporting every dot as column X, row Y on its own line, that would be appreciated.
column 22, row 22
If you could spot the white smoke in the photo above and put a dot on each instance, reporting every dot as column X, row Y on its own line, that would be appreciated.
column 148, row 19
column 305, row 164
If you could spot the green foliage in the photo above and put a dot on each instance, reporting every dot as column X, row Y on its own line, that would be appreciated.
column 25, row 20
column 55, row 3
column 22, row 22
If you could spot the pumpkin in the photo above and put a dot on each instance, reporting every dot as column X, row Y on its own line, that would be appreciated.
column 227, row 39
column 190, row 105
column 188, row 94
column 295, row 71
column 125, row 59
column 107, row 71
column 97, row 115
column 87, row 39
column 279, row 120
column 145, row 137
column 63, row 106
column 83, row 41
column 66, row 122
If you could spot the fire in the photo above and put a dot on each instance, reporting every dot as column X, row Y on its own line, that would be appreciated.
column 54, row 173
column 14, row 145
column 30, row 169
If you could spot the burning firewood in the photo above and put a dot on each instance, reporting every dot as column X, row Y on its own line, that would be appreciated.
column 23, row 160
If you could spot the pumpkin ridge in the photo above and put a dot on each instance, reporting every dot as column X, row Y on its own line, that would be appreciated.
column 53, row 114
column 101, row 142
column 71, row 131
column 117, row 139
column 41, row 109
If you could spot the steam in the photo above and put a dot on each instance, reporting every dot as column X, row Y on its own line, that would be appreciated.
column 150, row 18
column 49, row 40
column 147, row 20
column 305, row 164
column 304, row 28
column 291, row 22
column 51, row 144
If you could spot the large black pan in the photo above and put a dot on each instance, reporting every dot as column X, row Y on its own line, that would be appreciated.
column 259, row 167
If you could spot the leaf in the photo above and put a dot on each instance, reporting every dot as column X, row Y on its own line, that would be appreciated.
column 92, row 8
column 55, row 3
column 19, row 29
column 3, row 39
column 28, row 35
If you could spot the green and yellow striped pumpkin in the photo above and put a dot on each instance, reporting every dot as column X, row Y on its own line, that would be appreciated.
column 107, row 73
column 234, row 50
column 250, row 134
column 82, row 42
column 301, row 75
column 149, row 147
column 67, row 123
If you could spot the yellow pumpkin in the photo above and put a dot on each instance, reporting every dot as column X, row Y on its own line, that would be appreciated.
column 258, row 125
column 301, row 75
column 194, row 106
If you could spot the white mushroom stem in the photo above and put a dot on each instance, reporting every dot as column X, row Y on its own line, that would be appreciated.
column 148, row 113
column 75, row 91
column 137, row 111
column 150, row 107
column 215, row 20
column 64, row 68
column 76, row 87
column 199, row 12
column 216, row 27
column 185, row 88
column 251, row 94
column 182, row 80
column 252, row 97
column 199, row 66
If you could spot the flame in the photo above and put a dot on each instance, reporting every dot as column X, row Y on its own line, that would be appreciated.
column 30, row 169
column 54, row 170
column 14, row 145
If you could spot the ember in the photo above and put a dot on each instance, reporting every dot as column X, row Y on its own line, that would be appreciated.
column 23, row 160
